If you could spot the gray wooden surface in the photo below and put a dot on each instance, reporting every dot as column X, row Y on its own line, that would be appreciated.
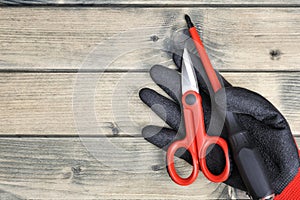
column 62, row 168
column 243, row 39
column 156, row 3
column 45, row 103
column 68, row 70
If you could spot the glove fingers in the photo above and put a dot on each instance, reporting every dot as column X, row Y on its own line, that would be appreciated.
column 170, row 81
column 167, row 79
column 172, row 86
column 162, row 138
column 159, row 136
column 241, row 100
column 165, row 108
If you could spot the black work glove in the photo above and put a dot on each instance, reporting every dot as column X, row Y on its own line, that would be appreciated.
column 268, row 129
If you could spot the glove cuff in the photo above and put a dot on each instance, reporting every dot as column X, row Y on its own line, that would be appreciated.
column 291, row 191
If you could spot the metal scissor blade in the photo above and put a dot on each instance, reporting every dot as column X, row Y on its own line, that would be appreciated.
column 188, row 76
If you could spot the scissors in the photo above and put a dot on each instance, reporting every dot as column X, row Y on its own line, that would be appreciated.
column 196, row 140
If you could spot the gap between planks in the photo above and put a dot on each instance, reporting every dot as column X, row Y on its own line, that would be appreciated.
column 155, row 3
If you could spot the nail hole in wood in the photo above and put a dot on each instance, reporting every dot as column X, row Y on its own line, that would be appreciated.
column 76, row 170
column 275, row 54
column 156, row 167
column 115, row 129
column 154, row 38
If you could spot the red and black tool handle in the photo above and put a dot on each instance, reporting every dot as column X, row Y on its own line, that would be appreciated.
column 246, row 157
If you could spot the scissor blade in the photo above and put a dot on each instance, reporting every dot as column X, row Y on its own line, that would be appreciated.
column 188, row 76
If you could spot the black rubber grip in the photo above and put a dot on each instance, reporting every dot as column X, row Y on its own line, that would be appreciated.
column 248, row 160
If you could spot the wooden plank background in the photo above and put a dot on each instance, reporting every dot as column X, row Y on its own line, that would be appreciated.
column 59, row 168
column 56, row 55
column 240, row 39
column 156, row 3
column 45, row 103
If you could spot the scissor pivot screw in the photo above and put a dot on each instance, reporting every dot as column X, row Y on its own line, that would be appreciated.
column 190, row 99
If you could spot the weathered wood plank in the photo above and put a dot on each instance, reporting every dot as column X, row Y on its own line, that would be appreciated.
column 153, row 2
column 64, row 38
column 108, row 103
column 56, row 168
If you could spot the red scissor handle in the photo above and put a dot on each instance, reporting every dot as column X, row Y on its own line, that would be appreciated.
column 196, row 142
column 191, row 147
column 214, row 140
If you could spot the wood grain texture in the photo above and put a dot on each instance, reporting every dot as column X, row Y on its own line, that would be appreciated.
column 63, row 168
column 66, row 168
column 108, row 103
column 153, row 2
column 77, row 38
column 41, row 48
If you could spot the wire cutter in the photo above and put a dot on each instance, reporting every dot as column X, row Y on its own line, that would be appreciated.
column 196, row 140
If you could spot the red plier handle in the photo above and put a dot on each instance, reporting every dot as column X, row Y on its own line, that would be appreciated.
column 197, row 143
